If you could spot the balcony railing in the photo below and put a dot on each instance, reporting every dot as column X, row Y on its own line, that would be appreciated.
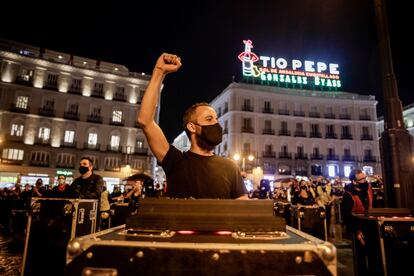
column 332, row 157
column 315, row 135
column 346, row 136
column 24, row 80
column 91, row 146
column 366, row 137
column 368, row 158
column 141, row 151
column 268, row 110
column 269, row 154
column 314, row 114
column 39, row 163
column 300, row 133
column 299, row 113
column 301, row 156
column 331, row 136
column 117, row 123
column 18, row 109
column 119, row 97
column 47, row 111
column 114, row 148
column 97, row 94
column 283, row 112
column 75, row 90
column 365, row 117
column 68, row 144
column 316, row 156
column 71, row 115
column 247, row 130
column 284, row 132
column 285, row 155
column 268, row 131
column 348, row 158
column 330, row 116
column 345, row 116
column 65, row 165
column 94, row 119
column 247, row 108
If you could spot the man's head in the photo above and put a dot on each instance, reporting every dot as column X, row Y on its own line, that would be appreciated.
column 357, row 177
column 85, row 165
column 201, row 125
column 61, row 180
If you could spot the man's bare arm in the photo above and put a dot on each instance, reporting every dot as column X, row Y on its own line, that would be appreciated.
column 157, row 141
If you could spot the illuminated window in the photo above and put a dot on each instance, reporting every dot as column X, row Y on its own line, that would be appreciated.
column 69, row 136
column 22, row 102
column 16, row 130
column 331, row 170
column 44, row 133
column 347, row 170
column 368, row 170
column 116, row 116
column 140, row 143
column 92, row 138
column 12, row 154
column 115, row 140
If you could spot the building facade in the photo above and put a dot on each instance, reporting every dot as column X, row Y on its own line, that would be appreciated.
column 298, row 132
column 56, row 108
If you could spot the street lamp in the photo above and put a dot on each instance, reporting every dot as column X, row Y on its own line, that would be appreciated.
column 237, row 157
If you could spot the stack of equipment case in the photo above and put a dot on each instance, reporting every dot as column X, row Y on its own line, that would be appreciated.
column 51, row 224
column 311, row 220
column 201, row 237
column 383, row 242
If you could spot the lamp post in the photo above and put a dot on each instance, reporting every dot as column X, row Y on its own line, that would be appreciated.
column 237, row 157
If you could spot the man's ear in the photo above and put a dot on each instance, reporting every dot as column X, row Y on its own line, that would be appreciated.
column 191, row 127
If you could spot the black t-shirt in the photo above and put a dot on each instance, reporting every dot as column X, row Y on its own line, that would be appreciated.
column 192, row 175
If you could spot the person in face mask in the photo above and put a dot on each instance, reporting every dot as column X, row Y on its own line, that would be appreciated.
column 61, row 190
column 88, row 185
column 197, row 173
column 357, row 197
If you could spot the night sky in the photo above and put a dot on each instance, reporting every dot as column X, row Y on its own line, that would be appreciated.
column 208, row 36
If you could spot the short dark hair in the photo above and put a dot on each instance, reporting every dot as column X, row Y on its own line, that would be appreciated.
column 87, row 158
column 353, row 173
column 189, row 113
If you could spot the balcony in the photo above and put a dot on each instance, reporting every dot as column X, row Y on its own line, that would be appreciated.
column 14, row 138
column 141, row 151
column 345, row 116
column 39, row 163
column 285, row 155
column 268, row 131
column 117, row 123
column 65, row 165
column 332, row 157
column 268, row 110
column 316, row 156
column 330, row 135
column 52, row 85
column 283, row 112
column 301, row 156
column 366, row 137
column 91, row 146
column 284, row 132
column 47, row 111
column 97, row 94
column 369, row 158
column 70, row 115
column 226, row 131
column 114, row 148
column 315, row 135
column 300, row 133
column 68, row 144
column 299, row 113
column 350, row 158
column 365, row 117
column 314, row 114
column 330, row 116
column 11, row 161
column 247, row 130
column 94, row 119
column 19, row 109
column 346, row 137
column 119, row 97
column 24, row 80
column 247, row 108
column 75, row 90
column 225, row 111
column 269, row 154
column 42, row 142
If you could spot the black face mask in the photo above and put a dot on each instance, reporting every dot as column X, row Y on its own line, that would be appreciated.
column 211, row 136
column 83, row 169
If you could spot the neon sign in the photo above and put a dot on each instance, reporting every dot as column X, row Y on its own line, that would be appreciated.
column 286, row 72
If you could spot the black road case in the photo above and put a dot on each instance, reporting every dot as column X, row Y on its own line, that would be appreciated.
column 52, row 222
column 310, row 219
column 201, row 237
column 383, row 245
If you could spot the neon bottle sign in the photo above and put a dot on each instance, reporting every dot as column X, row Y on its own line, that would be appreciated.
column 283, row 71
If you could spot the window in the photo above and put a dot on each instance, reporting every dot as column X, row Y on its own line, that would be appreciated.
column 331, row 151
column 331, row 170
column 345, row 131
column 65, row 159
column 112, row 162
column 368, row 170
column 365, row 130
column 115, row 140
column 267, row 106
column 247, row 123
column 300, row 150
column 98, row 87
column 92, row 138
column 44, row 133
column 137, row 164
column 76, row 84
column 246, row 147
column 52, row 79
column 314, row 128
column 219, row 112
column 117, row 116
column 316, row 151
column 268, row 148
column 330, row 129
column 12, row 154
column 39, row 157
column 347, row 152
column 96, row 111
column 69, row 136
column 140, row 143
column 16, row 130
column 26, row 74
column 22, row 102
column 268, row 124
column 73, row 108
column 284, row 149
column 299, row 127
column 347, row 170
column 284, row 125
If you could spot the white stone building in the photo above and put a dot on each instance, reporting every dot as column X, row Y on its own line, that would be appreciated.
column 298, row 132
column 56, row 108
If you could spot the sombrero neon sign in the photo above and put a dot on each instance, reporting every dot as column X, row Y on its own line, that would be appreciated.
column 283, row 71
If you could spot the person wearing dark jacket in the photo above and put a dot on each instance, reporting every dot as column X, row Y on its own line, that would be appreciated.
column 89, row 185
